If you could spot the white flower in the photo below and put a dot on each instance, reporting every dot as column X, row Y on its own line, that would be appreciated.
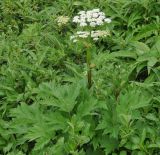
column 83, row 24
column 95, row 35
column 83, row 16
column 99, row 22
column 91, row 18
column 101, row 13
column 99, row 33
column 76, row 19
column 95, row 15
column 72, row 37
column 95, row 39
column 89, row 13
column 92, row 24
column 82, row 20
column 75, row 40
column 83, row 32
column 62, row 20
column 107, row 20
column 83, row 36
column 101, row 17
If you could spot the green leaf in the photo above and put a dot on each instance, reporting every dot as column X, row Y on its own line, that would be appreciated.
column 87, row 107
column 63, row 97
column 78, row 3
column 140, row 47
column 156, row 46
column 123, row 153
column 151, row 62
column 146, row 31
column 124, row 54
column 131, row 101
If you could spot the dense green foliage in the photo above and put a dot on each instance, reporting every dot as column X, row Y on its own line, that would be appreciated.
column 45, row 106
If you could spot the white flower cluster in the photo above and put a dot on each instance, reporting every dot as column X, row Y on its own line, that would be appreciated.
column 62, row 20
column 91, row 18
column 99, row 34
column 95, row 35
column 80, row 34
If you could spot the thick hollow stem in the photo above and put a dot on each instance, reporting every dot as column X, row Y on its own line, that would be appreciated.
column 89, row 73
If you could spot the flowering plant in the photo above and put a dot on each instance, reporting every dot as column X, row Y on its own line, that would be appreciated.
column 62, row 20
column 88, row 21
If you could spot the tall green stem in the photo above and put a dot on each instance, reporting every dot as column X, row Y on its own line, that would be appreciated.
column 89, row 73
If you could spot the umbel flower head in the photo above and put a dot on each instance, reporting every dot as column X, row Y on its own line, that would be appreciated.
column 90, row 19
column 62, row 20
column 95, row 35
